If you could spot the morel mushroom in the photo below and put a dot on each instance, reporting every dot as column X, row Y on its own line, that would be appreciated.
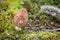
column 21, row 18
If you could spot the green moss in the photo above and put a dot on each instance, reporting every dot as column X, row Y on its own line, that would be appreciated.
column 7, row 27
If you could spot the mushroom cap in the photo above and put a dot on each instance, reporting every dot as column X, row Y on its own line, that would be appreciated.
column 21, row 18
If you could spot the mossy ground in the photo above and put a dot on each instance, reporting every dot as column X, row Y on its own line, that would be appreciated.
column 37, row 21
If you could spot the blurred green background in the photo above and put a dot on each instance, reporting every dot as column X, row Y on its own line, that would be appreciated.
column 8, row 31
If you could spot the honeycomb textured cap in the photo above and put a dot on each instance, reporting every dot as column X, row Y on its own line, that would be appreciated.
column 21, row 18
